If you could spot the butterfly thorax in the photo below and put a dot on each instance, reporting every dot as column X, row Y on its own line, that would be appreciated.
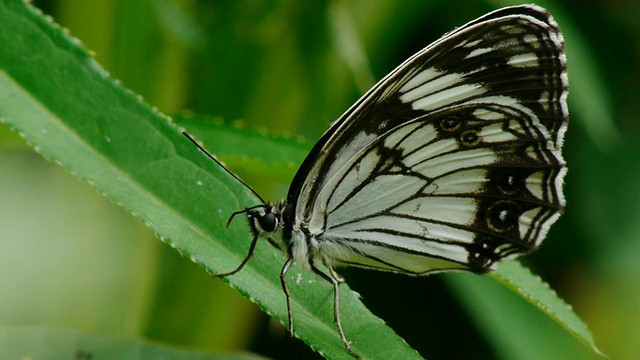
column 276, row 223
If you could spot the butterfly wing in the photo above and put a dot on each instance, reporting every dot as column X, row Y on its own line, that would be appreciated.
column 451, row 161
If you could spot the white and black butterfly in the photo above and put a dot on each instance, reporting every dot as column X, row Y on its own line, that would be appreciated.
column 451, row 162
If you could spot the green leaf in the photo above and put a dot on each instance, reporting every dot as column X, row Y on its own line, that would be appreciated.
column 38, row 342
column 533, row 289
column 517, row 329
column 249, row 151
column 64, row 104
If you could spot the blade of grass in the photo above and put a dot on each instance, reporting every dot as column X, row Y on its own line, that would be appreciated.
column 514, row 327
column 247, row 151
column 532, row 288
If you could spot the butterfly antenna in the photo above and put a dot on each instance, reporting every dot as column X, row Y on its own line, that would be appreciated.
column 233, row 215
column 225, row 169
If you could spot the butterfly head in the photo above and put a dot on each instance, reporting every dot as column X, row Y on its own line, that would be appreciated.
column 266, row 221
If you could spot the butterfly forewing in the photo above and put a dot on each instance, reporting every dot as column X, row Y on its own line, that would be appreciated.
column 452, row 161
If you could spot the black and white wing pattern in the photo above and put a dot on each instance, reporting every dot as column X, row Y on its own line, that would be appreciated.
column 452, row 161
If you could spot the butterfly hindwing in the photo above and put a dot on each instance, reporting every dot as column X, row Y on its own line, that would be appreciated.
column 459, row 188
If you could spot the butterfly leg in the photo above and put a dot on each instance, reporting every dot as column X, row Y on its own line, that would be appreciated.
column 283, row 274
column 335, row 281
column 244, row 262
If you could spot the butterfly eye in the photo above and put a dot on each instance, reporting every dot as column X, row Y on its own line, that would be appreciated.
column 268, row 222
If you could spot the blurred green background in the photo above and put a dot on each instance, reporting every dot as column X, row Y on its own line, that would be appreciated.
column 69, row 258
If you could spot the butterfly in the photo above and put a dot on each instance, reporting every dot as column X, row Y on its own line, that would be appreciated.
column 451, row 162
